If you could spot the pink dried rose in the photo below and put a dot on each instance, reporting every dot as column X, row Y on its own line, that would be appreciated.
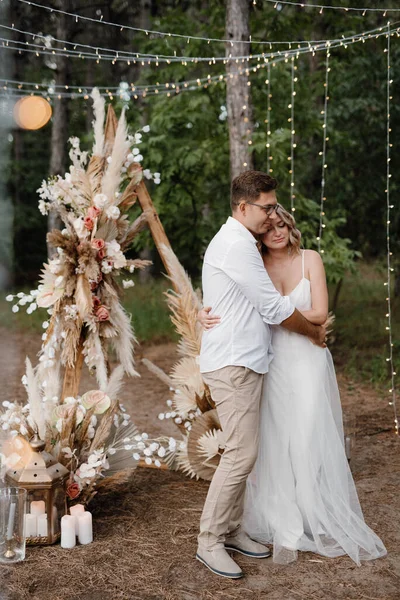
column 93, row 286
column 98, row 243
column 100, row 254
column 102, row 313
column 96, row 399
column 73, row 490
column 88, row 223
column 93, row 212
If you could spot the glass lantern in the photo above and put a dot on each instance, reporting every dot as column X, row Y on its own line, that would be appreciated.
column 45, row 481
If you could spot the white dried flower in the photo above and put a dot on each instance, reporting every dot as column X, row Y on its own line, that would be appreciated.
column 127, row 283
column 100, row 200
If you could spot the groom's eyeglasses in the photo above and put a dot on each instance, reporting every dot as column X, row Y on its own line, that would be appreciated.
column 268, row 208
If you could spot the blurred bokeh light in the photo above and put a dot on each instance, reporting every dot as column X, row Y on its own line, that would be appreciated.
column 32, row 112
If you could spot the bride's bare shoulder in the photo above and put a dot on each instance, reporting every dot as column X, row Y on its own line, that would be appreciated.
column 312, row 256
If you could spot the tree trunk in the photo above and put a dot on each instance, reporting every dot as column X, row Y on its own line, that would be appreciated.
column 59, row 132
column 238, row 95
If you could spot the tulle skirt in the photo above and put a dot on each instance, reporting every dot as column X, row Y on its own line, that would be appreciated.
column 301, row 494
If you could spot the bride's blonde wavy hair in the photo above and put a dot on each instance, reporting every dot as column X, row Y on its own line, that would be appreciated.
column 294, row 242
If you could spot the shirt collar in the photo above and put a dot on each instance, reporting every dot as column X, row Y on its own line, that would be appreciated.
column 236, row 225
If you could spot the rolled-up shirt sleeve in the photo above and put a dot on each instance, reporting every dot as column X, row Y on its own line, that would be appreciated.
column 243, row 264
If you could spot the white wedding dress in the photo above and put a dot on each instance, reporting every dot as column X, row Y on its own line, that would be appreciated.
column 301, row 494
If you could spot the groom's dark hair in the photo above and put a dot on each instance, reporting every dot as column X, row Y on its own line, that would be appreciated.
column 249, row 185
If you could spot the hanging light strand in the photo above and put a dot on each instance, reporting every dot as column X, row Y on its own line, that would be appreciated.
column 185, row 37
column 322, row 7
column 390, row 359
column 108, row 54
column 323, row 153
column 268, row 119
column 292, row 133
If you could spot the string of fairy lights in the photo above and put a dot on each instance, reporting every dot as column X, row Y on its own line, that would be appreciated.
column 292, row 132
column 324, row 164
column 162, row 34
column 389, row 207
column 322, row 7
column 49, row 46
column 268, row 119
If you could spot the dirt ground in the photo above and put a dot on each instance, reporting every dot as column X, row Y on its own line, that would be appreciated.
column 145, row 535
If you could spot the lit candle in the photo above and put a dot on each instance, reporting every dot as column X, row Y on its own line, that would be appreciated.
column 11, row 517
column 42, row 525
column 68, row 537
column 85, row 528
column 76, row 510
column 30, row 525
column 38, row 508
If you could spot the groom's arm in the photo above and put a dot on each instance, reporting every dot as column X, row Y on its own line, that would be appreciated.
column 299, row 324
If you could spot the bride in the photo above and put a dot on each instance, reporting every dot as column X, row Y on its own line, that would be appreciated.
column 301, row 494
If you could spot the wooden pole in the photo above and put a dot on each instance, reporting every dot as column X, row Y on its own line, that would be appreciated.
column 153, row 220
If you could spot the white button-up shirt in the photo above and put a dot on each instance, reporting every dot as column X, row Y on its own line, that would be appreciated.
column 239, row 290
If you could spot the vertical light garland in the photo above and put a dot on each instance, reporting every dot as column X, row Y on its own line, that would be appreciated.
column 323, row 153
column 292, row 133
column 268, row 119
column 392, row 390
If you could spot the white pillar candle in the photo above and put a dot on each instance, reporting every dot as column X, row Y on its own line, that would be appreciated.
column 85, row 528
column 42, row 525
column 11, row 517
column 30, row 525
column 68, row 537
column 76, row 510
column 38, row 507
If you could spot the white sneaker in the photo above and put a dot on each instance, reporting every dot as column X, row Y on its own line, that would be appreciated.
column 242, row 543
column 219, row 562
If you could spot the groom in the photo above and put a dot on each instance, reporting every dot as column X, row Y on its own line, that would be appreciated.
column 234, row 357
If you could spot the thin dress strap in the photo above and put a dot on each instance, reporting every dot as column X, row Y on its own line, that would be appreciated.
column 302, row 263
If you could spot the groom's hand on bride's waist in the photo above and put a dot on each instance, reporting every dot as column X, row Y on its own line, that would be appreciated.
column 206, row 319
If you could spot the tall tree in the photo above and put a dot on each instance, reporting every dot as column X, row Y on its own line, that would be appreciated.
column 59, row 132
column 238, row 94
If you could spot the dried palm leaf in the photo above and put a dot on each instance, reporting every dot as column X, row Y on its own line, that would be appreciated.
column 182, row 461
column 107, row 231
column 184, row 401
column 186, row 373
column 205, row 445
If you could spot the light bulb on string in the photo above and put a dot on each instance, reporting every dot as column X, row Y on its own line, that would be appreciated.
column 323, row 154
column 389, row 206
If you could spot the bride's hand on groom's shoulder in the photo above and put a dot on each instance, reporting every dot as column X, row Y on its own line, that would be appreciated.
column 207, row 320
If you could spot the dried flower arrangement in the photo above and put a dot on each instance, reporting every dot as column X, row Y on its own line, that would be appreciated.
column 191, row 408
column 92, row 434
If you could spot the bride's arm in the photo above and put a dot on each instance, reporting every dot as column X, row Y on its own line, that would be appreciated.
column 319, row 291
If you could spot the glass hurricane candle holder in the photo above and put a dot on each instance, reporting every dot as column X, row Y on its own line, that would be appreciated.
column 12, row 524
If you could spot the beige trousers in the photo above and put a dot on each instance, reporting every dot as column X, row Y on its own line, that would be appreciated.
column 236, row 392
